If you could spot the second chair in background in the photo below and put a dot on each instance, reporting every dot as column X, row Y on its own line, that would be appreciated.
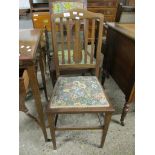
column 59, row 6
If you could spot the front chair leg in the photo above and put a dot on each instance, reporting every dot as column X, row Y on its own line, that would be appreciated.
column 107, row 119
column 52, row 129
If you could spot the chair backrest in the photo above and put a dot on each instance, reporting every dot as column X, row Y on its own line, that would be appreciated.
column 60, row 6
column 71, row 49
column 125, row 14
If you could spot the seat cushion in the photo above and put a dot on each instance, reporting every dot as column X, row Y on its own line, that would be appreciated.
column 78, row 91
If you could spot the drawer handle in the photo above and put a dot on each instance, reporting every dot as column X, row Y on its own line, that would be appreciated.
column 35, row 14
column 35, row 19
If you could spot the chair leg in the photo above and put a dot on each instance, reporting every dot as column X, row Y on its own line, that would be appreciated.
column 51, row 123
column 107, row 119
column 42, row 68
column 53, row 77
column 56, row 118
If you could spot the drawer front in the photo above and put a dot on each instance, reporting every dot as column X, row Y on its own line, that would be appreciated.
column 109, row 18
column 105, row 11
column 41, row 19
column 102, row 3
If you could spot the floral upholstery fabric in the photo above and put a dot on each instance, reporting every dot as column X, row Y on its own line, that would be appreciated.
column 65, row 6
column 71, row 55
column 79, row 91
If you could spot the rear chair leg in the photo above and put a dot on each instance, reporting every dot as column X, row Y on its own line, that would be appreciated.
column 52, row 129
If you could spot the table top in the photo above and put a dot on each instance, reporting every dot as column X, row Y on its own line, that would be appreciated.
column 126, row 29
column 28, row 44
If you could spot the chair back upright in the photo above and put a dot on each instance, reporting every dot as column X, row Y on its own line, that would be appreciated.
column 71, row 48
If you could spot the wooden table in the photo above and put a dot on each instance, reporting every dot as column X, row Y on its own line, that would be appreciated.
column 29, row 42
column 119, row 60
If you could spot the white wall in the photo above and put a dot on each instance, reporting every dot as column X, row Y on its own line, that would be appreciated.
column 24, row 4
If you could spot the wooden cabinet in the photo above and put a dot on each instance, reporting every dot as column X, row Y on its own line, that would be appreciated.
column 131, row 2
column 127, row 2
column 38, row 5
column 119, row 60
column 106, row 7
column 41, row 19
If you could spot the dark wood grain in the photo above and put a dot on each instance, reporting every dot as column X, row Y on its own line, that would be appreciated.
column 119, row 59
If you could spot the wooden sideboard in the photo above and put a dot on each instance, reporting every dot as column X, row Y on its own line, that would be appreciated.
column 119, row 60
column 128, row 2
column 106, row 7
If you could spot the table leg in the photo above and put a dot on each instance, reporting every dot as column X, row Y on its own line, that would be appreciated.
column 36, row 93
column 42, row 68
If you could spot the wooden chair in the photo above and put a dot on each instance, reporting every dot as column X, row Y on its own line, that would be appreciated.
column 77, row 94
column 60, row 6
column 125, row 14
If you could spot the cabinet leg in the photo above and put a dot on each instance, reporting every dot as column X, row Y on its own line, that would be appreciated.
column 124, row 112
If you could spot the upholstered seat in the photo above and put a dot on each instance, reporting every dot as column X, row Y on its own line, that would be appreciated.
column 79, row 91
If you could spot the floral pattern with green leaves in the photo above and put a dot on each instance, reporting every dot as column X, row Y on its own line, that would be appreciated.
column 79, row 91
column 65, row 6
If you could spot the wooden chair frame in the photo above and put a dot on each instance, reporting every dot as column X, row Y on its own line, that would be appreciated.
column 54, row 111
column 52, row 115
column 86, row 15
column 51, row 61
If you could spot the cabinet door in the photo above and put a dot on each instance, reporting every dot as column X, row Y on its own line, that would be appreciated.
column 102, row 3
column 105, row 11
column 41, row 19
